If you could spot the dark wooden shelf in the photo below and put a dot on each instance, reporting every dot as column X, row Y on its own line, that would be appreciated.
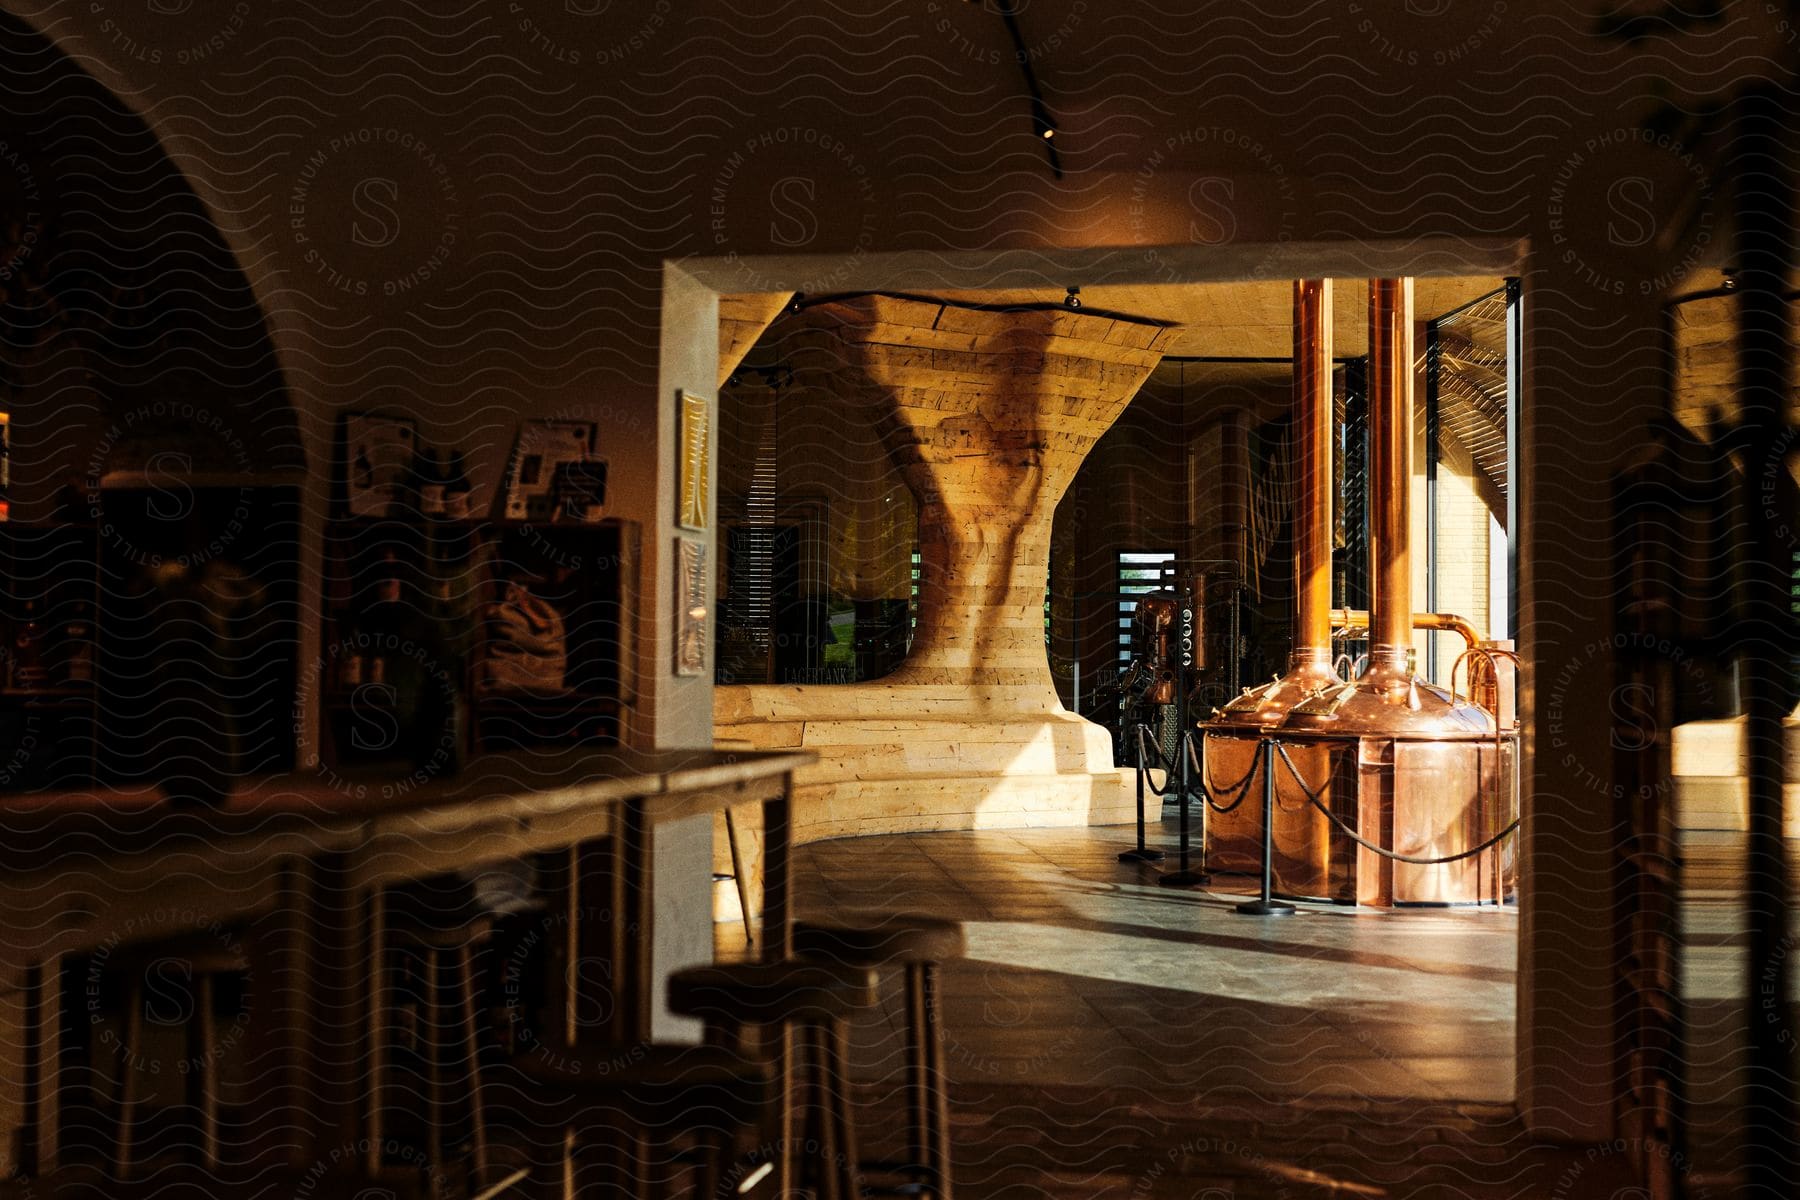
column 590, row 567
column 126, row 481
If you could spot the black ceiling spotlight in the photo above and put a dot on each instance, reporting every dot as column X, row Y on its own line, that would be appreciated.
column 798, row 302
column 1073, row 299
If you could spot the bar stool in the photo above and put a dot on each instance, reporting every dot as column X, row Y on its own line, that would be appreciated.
column 917, row 944
column 442, row 928
column 808, row 1006
column 640, row 1100
column 199, row 961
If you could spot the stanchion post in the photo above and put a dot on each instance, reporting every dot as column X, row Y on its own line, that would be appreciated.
column 1266, row 905
column 1205, row 797
column 1142, row 853
column 1187, row 876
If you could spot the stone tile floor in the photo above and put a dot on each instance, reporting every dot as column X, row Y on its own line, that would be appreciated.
column 1107, row 1037
column 1081, row 970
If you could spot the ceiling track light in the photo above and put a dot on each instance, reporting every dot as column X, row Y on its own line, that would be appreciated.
column 1041, row 124
column 1073, row 299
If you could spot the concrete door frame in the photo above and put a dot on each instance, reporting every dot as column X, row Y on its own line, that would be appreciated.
column 690, row 358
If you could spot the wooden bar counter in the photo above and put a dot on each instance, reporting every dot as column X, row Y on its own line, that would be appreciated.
column 302, row 862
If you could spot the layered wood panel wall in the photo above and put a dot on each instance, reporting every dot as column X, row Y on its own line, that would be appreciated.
column 988, row 413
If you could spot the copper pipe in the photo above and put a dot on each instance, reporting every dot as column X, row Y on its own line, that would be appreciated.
column 1312, row 466
column 1309, row 666
column 1358, row 618
column 1390, row 472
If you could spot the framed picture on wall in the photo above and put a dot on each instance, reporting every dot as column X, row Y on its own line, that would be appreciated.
column 377, row 462
column 692, row 607
column 540, row 451
column 693, row 477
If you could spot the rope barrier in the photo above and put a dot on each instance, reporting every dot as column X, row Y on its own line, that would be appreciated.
column 1208, row 791
column 1312, row 796
column 1147, row 750
column 1143, row 732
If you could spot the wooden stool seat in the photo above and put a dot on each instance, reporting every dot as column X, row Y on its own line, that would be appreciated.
column 771, row 993
column 888, row 941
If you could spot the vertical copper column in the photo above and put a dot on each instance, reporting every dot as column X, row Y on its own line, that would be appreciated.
column 1309, row 665
column 1312, row 460
column 1388, row 701
column 1299, row 840
column 1390, row 481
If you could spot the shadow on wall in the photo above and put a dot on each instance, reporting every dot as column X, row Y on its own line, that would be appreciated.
column 988, row 413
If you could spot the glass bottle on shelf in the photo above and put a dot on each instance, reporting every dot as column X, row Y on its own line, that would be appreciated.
column 382, row 620
column 78, row 646
column 420, row 673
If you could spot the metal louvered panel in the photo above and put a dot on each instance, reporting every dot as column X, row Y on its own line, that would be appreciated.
column 1472, row 385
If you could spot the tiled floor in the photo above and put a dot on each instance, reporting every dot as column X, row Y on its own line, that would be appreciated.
column 1112, row 1038
column 1081, row 970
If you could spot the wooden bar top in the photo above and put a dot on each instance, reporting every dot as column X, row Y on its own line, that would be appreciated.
column 61, row 830
column 91, row 868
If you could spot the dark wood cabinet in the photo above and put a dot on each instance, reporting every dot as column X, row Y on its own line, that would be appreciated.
column 417, row 617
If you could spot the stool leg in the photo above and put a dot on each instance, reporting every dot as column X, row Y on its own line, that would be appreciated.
column 785, row 1124
column 568, row 1177
column 939, row 1084
column 918, row 1073
column 715, row 1152
column 206, row 1073
column 384, row 1035
column 738, row 877
column 472, row 1056
column 615, row 1168
column 128, row 1086
column 432, row 1041
column 641, row 1158
column 847, row 1165
column 821, row 1123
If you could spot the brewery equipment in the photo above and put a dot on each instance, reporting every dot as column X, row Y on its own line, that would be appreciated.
column 1385, row 784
